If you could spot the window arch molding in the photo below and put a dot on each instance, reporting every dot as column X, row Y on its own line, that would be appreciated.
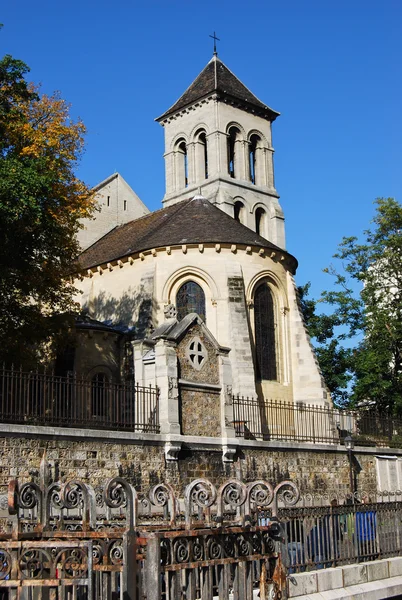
column 280, row 308
column 236, row 125
column 207, row 284
column 180, row 137
column 195, row 132
column 195, row 274
column 252, row 132
column 259, row 207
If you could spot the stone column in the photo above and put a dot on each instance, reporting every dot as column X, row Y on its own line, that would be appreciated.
column 199, row 162
column 170, row 175
column 167, row 381
column 191, row 163
column 260, row 167
column 239, row 159
column 270, row 168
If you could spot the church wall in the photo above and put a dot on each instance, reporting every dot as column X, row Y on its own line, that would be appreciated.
column 143, row 464
column 98, row 349
column 139, row 292
column 117, row 212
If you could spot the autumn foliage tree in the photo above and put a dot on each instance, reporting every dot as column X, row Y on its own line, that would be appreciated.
column 41, row 203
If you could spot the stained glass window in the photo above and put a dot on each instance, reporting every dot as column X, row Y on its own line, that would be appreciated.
column 264, row 320
column 190, row 299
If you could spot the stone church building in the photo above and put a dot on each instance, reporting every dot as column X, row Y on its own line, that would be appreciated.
column 216, row 248
column 198, row 301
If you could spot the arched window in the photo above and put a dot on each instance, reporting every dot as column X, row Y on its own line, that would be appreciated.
column 181, row 165
column 202, row 156
column 256, row 166
column 233, row 137
column 239, row 211
column 100, row 396
column 260, row 222
column 190, row 298
column 265, row 335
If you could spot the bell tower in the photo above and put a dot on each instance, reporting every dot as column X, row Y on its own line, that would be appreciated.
column 218, row 143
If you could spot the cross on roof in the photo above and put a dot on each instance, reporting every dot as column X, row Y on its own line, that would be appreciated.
column 215, row 40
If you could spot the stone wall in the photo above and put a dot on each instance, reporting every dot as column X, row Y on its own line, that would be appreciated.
column 144, row 465
column 209, row 372
column 200, row 413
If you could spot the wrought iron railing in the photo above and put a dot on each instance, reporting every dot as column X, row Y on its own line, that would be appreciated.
column 302, row 422
column 322, row 537
column 42, row 398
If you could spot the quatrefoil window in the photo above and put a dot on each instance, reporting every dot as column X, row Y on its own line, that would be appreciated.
column 197, row 353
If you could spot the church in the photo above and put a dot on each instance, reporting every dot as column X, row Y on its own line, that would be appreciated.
column 215, row 250
column 190, row 358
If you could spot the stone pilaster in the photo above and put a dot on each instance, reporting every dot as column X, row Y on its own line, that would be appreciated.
column 167, row 381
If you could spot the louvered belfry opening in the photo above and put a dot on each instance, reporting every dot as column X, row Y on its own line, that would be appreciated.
column 190, row 298
column 264, row 320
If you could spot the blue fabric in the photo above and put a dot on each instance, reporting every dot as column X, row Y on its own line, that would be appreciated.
column 366, row 526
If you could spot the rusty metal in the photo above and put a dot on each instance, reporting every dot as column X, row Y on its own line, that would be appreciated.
column 114, row 538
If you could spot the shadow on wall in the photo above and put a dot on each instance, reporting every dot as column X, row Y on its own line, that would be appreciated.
column 134, row 309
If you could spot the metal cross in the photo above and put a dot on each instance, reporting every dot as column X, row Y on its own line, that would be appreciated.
column 215, row 40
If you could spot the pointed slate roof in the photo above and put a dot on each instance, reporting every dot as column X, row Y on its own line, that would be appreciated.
column 194, row 221
column 216, row 77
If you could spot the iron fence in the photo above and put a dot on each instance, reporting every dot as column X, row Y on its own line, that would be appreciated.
column 330, row 536
column 302, row 422
column 42, row 398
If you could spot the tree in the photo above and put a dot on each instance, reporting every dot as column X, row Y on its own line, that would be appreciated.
column 369, row 315
column 41, row 203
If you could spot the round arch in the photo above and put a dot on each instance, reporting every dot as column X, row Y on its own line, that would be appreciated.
column 260, row 135
column 199, row 128
column 189, row 273
column 237, row 126
column 280, row 309
column 180, row 137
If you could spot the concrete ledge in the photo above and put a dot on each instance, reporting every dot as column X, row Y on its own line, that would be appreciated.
column 365, row 581
column 138, row 437
column 374, row 590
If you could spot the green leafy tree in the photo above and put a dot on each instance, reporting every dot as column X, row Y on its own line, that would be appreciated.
column 367, row 310
column 334, row 359
column 41, row 203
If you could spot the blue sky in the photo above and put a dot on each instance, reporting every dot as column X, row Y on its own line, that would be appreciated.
column 332, row 69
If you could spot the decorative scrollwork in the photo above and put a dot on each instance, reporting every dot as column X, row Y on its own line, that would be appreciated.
column 72, row 563
column 99, row 498
column 181, row 550
column 229, row 544
column 116, row 553
column 115, row 494
column 288, row 492
column 97, row 553
column 256, row 543
column 269, row 544
column 121, row 494
column 29, row 495
column 201, row 493
column 233, row 493
column 214, row 548
column 32, row 563
column 261, row 493
column 243, row 545
column 159, row 495
column 73, row 495
column 5, row 564
column 54, row 496
column 198, row 549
